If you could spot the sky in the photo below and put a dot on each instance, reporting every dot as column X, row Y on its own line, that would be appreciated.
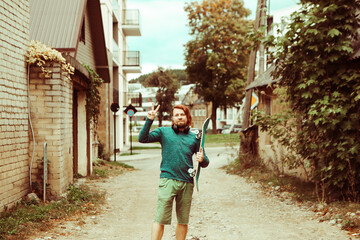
column 164, row 31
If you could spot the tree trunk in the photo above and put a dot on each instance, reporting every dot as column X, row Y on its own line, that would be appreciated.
column 213, row 117
column 249, row 146
column 160, row 119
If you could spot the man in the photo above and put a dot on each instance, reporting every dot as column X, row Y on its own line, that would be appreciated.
column 176, row 182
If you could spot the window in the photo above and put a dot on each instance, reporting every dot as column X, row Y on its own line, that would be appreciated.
column 82, row 33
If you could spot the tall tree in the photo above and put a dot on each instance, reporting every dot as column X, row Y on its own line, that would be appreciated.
column 167, row 86
column 216, row 59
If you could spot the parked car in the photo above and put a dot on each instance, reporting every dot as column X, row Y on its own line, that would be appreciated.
column 235, row 129
column 226, row 126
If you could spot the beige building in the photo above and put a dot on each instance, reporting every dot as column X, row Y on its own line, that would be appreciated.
column 40, row 109
column 119, row 23
column 14, row 128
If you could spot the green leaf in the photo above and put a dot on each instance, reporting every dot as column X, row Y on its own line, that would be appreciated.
column 353, row 150
column 311, row 31
column 302, row 86
column 333, row 32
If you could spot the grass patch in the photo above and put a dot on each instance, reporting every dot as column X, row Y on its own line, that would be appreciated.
column 19, row 221
column 104, row 169
column 128, row 154
column 222, row 138
column 146, row 147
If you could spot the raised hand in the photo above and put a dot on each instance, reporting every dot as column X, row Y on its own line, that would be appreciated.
column 152, row 113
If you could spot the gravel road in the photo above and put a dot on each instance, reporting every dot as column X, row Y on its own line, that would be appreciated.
column 226, row 208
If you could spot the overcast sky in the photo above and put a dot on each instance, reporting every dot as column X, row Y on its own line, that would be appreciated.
column 164, row 31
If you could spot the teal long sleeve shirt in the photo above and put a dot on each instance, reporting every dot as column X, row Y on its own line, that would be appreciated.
column 177, row 150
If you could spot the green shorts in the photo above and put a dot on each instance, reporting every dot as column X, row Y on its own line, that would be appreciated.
column 170, row 189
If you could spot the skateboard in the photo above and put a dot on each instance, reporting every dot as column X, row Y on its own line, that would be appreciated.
column 202, row 142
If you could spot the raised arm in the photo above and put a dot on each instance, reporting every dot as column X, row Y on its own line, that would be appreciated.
column 145, row 136
column 152, row 113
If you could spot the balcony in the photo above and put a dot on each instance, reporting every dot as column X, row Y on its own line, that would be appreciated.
column 115, row 7
column 133, row 98
column 131, row 22
column 115, row 53
column 131, row 62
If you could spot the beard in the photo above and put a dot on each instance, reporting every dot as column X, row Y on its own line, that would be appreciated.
column 181, row 124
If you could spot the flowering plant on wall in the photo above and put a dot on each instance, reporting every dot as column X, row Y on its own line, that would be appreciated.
column 39, row 53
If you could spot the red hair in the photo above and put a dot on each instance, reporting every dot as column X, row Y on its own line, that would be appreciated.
column 187, row 114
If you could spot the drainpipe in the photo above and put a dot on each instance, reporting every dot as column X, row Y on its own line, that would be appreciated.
column 31, row 127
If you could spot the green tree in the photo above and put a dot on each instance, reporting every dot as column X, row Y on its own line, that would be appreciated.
column 323, row 89
column 167, row 86
column 217, row 57
column 140, row 79
column 178, row 73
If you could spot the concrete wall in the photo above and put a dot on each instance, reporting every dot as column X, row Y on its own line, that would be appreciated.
column 270, row 150
column 14, row 145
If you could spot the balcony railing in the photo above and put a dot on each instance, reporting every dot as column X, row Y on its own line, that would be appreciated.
column 131, row 58
column 131, row 62
column 131, row 17
column 131, row 22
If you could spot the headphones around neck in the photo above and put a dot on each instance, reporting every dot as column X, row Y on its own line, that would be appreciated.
column 176, row 128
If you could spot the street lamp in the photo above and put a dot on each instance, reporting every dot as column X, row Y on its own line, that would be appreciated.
column 114, row 108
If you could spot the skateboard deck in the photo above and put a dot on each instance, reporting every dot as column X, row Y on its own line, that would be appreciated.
column 202, row 143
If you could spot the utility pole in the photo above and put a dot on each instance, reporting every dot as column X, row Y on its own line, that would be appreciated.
column 260, row 20
column 249, row 136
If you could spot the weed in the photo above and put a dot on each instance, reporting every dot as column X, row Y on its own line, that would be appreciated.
column 100, row 173
column 103, row 154
column 119, row 164
column 104, row 169
column 16, row 221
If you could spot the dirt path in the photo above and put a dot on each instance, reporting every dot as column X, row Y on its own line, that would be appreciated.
column 226, row 208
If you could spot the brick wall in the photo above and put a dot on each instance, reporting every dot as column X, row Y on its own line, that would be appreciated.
column 14, row 155
column 51, row 114
column 106, row 122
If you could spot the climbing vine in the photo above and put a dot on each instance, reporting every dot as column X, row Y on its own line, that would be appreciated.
column 323, row 90
column 93, row 97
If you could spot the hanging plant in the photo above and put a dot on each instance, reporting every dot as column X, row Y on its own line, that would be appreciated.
column 93, row 97
column 39, row 53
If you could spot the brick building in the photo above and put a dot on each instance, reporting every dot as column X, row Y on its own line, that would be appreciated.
column 38, row 108
column 14, row 129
